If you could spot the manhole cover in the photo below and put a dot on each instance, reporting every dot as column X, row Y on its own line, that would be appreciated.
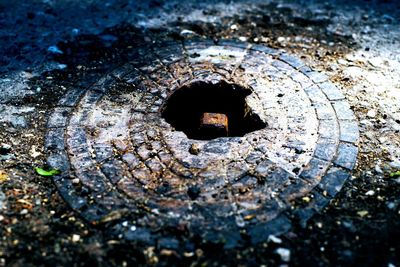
column 131, row 145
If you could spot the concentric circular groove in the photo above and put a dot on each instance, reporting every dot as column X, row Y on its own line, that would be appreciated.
column 129, row 160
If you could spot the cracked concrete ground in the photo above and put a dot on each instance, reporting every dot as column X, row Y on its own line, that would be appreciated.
column 51, row 48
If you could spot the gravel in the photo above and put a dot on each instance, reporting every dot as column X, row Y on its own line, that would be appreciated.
column 355, row 43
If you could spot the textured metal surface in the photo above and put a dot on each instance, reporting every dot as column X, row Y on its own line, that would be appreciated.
column 121, row 159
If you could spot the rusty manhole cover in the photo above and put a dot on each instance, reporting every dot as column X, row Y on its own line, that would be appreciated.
column 124, row 163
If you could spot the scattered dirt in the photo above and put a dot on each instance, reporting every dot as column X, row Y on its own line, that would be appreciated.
column 354, row 43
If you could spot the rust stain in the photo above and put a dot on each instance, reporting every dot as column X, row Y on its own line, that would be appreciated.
column 214, row 124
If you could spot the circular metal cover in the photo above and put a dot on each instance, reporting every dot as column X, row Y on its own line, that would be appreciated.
column 121, row 161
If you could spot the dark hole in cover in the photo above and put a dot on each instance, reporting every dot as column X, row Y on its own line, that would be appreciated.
column 184, row 108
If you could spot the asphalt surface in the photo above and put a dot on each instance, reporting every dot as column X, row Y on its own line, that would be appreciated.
column 50, row 48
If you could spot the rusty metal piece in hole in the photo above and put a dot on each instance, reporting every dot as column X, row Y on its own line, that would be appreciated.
column 213, row 125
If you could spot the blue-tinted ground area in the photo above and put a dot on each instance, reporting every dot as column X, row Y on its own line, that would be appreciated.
column 48, row 48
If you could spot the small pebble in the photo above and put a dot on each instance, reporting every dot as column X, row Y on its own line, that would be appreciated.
column 75, row 238
column 362, row 213
column 194, row 149
column 23, row 212
column 370, row 193
column 188, row 254
column 55, row 50
column 284, row 253
column 274, row 239
column 371, row 113
column 187, row 32
column 281, row 39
